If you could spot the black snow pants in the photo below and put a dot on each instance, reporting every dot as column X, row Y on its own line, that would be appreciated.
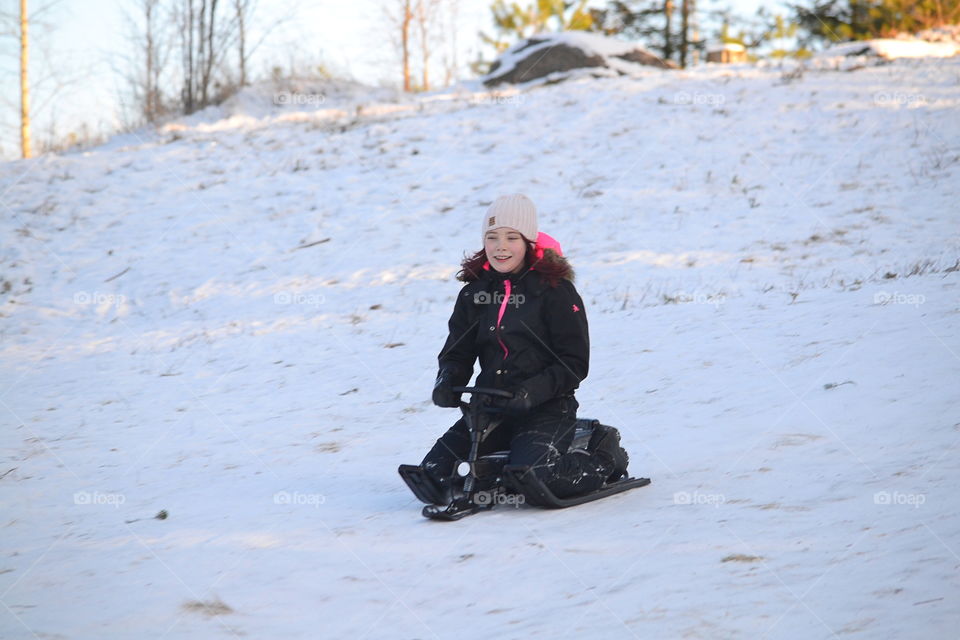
column 539, row 439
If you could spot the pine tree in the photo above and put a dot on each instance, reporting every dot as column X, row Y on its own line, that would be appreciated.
column 513, row 22
column 652, row 23
column 838, row 20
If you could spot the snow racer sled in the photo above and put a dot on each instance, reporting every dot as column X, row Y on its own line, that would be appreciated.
column 481, row 482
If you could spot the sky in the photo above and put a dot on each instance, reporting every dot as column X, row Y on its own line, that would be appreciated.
column 78, row 54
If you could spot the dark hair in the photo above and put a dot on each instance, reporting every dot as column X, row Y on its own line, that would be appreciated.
column 551, row 266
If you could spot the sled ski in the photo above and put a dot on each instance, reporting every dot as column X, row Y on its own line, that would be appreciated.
column 457, row 509
column 537, row 493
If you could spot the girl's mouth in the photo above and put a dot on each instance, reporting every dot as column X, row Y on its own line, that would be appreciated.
column 501, row 258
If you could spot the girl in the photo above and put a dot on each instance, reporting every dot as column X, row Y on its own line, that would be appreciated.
column 520, row 314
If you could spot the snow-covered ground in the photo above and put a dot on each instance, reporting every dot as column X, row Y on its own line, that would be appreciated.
column 237, row 323
column 940, row 42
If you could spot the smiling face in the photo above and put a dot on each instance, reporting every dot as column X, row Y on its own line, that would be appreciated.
column 505, row 249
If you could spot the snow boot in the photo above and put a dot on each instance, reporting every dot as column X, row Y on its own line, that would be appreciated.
column 605, row 447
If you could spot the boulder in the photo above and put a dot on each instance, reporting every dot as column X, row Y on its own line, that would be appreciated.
column 559, row 54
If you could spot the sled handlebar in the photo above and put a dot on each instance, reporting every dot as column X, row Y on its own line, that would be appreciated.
column 489, row 391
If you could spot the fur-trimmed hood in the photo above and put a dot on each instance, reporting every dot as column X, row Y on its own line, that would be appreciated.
column 545, row 257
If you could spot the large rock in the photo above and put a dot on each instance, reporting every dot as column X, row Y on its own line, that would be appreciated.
column 558, row 54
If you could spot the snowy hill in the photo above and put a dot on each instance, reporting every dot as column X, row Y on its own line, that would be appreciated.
column 237, row 323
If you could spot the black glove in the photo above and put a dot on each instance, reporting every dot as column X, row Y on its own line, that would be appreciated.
column 443, row 394
column 521, row 402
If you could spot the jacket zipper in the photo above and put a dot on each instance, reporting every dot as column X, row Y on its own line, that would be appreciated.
column 503, row 307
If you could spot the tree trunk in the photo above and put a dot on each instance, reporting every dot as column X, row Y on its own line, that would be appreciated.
column 684, row 32
column 211, row 52
column 667, row 31
column 424, row 43
column 694, row 28
column 152, row 88
column 24, row 84
column 188, row 80
column 242, row 41
column 201, row 89
column 426, row 68
column 453, row 64
column 405, row 43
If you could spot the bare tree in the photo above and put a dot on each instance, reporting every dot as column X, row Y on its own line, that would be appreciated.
column 148, row 31
column 208, row 48
column 154, row 59
column 24, row 82
column 451, row 20
column 185, row 28
column 405, row 18
column 426, row 15
column 202, row 41
column 38, row 77
column 242, row 9
column 187, row 54
column 399, row 15
column 240, row 31
column 430, row 24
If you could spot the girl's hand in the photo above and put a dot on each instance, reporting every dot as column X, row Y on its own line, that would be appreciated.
column 443, row 394
column 521, row 402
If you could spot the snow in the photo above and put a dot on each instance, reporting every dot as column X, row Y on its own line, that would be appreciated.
column 891, row 48
column 237, row 321
column 940, row 42
column 293, row 96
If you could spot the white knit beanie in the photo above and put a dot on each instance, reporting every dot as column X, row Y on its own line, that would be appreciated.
column 515, row 211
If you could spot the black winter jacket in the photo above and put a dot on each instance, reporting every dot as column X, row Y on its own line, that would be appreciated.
column 540, row 343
